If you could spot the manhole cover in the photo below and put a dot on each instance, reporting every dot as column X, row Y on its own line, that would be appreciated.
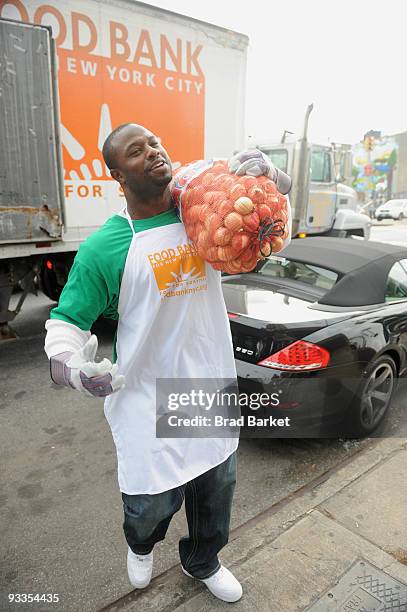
column 364, row 588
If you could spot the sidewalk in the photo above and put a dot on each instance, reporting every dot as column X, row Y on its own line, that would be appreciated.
column 339, row 544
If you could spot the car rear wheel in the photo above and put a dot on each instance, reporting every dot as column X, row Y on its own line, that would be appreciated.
column 374, row 397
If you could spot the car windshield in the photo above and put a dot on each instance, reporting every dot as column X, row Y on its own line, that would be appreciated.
column 307, row 274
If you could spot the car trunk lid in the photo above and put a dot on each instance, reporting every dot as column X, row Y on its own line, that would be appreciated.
column 266, row 317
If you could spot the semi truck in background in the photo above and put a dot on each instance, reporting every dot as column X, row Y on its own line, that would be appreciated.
column 321, row 203
column 67, row 79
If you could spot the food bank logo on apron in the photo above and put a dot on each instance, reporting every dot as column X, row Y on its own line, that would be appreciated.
column 178, row 271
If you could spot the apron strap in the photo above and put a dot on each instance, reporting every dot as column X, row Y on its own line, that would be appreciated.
column 126, row 213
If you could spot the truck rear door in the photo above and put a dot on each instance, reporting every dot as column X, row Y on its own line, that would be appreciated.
column 30, row 175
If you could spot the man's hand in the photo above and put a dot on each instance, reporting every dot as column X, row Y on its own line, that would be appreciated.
column 255, row 163
column 80, row 371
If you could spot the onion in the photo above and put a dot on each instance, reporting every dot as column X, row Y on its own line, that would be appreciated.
column 187, row 198
column 247, row 181
column 225, row 207
column 227, row 184
column 248, row 254
column 248, row 267
column 270, row 187
column 233, row 267
column 207, row 179
column 222, row 236
column 237, row 192
column 263, row 211
column 266, row 248
column 208, row 220
column 199, row 192
column 271, row 200
column 211, row 196
column 212, row 253
column 282, row 216
column 220, row 180
column 194, row 212
column 218, row 265
column 203, row 213
column 221, row 164
column 277, row 244
column 202, row 241
column 192, row 232
column 226, row 253
column 216, row 223
column 240, row 241
column 256, row 194
column 233, row 221
column 244, row 206
column 251, row 222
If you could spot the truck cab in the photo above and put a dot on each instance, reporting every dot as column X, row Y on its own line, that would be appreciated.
column 321, row 204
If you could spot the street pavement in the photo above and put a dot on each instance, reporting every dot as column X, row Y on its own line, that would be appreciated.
column 339, row 545
column 61, row 511
column 61, row 514
column 390, row 231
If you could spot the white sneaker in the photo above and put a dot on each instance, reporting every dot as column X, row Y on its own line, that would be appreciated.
column 139, row 569
column 223, row 585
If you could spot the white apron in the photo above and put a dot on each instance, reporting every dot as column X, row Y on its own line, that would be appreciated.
column 173, row 323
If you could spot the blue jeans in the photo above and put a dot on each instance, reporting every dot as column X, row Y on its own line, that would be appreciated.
column 208, row 503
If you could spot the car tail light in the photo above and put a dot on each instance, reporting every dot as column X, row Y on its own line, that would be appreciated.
column 232, row 315
column 49, row 264
column 298, row 357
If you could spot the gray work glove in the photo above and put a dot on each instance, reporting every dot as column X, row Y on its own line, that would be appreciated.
column 80, row 371
column 255, row 163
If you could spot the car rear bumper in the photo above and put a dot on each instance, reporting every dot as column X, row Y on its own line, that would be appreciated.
column 386, row 216
column 315, row 403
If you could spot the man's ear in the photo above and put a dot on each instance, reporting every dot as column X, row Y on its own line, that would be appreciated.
column 117, row 176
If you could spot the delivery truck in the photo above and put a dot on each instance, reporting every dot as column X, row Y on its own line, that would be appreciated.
column 72, row 71
column 321, row 203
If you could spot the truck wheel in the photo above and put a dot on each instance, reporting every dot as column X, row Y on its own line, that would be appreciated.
column 373, row 399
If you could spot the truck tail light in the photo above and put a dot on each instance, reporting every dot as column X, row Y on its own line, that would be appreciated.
column 49, row 264
column 299, row 356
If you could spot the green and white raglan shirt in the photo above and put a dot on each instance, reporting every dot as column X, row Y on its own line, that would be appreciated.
column 94, row 281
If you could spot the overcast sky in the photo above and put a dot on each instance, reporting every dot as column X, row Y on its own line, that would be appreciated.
column 348, row 57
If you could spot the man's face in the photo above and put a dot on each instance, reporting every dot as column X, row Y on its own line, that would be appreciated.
column 142, row 164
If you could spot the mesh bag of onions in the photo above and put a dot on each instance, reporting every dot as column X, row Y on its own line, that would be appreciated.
column 234, row 221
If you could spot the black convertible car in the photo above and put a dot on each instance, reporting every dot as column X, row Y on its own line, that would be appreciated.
column 324, row 325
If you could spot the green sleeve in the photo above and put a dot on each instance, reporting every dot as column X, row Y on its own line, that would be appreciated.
column 83, row 299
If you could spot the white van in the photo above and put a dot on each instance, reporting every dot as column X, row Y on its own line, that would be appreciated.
column 393, row 209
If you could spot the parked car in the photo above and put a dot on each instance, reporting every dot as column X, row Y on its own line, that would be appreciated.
column 324, row 323
column 393, row 209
